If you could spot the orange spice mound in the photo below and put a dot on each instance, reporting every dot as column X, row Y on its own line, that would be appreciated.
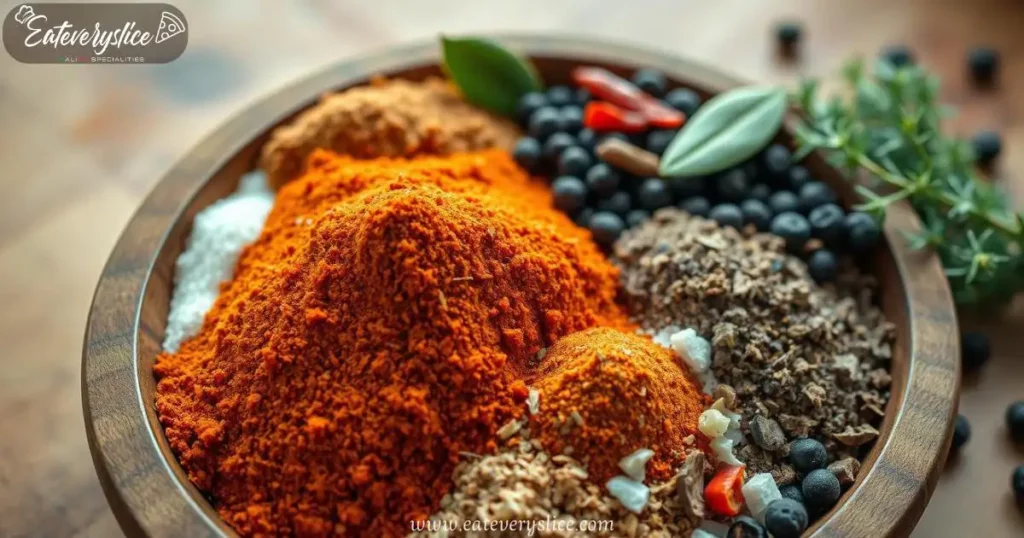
column 628, row 393
column 386, row 118
column 381, row 324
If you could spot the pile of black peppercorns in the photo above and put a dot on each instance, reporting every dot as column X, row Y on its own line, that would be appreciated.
column 598, row 196
column 769, row 192
column 815, row 494
column 774, row 194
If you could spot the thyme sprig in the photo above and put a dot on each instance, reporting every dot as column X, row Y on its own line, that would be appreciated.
column 888, row 123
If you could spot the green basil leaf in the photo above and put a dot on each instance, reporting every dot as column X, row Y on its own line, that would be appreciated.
column 487, row 74
column 727, row 130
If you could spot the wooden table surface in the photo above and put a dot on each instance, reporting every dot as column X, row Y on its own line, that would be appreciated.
column 80, row 146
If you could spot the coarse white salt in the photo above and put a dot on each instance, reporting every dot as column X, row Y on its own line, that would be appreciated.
column 695, row 351
column 533, row 401
column 759, row 491
column 713, row 423
column 635, row 464
column 721, row 447
column 733, row 432
column 632, row 494
column 664, row 336
column 219, row 233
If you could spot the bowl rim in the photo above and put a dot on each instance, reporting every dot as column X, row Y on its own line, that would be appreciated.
column 146, row 491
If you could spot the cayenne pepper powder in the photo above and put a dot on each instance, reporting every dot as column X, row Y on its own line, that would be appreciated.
column 606, row 393
column 382, row 324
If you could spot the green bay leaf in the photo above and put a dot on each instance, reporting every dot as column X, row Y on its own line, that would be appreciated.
column 729, row 129
column 488, row 75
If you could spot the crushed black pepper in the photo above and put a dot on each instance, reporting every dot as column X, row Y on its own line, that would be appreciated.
column 805, row 360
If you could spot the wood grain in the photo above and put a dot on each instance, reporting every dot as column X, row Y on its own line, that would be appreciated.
column 80, row 147
column 147, row 488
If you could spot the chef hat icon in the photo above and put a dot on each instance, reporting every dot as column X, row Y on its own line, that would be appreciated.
column 24, row 14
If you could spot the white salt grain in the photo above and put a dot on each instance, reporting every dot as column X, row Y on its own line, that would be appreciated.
column 219, row 232
column 722, row 449
column 695, row 351
column 664, row 336
column 759, row 491
column 635, row 464
column 713, row 423
column 533, row 401
column 632, row 494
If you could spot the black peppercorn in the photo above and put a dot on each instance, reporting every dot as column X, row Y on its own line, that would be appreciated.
column 786, row 518
column 619, row 203
column 528, row 104
column 823, row 265
column 792, row 227
column 746, row 527
column 556, row 144
column 821, row 490
column 807, row 455
column 727, row 215
column 684, row 100
column 570, row 194
column 898, row 55
column 788, row 34
column 783, row 202
column 544, row 122
column 961, row 432
column 651, row 81
column 560, row 96
column 987, row 146
column 697, row 206
column 1015, row 421
column 527, row 153
column 606, row 227
column 602, row 180
column 984, row 64
column 975, row 350
column 653, row 194
column 757, row 213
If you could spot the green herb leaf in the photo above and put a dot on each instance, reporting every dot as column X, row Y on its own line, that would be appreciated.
column 727, row 130
column 888, row 123
column 488, row 75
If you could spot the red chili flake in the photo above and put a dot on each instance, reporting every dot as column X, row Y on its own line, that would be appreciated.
column 603, row 116
column 723, row 494
column 604, row 84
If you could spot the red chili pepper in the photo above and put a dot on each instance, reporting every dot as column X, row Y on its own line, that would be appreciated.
column 602, row 116
column 606, row 85
column 724, row 495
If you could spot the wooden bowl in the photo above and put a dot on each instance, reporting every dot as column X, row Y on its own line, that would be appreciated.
column 149, row 492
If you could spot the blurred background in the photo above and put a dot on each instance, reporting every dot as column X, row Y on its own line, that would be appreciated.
column 80, row 145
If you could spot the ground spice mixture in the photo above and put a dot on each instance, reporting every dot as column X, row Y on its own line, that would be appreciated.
column 604, row 394
column 528, row 484
column 381, row 325
column 387, row 118
column 804, row 360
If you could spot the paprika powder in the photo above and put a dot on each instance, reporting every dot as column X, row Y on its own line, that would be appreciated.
column 383, row 323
